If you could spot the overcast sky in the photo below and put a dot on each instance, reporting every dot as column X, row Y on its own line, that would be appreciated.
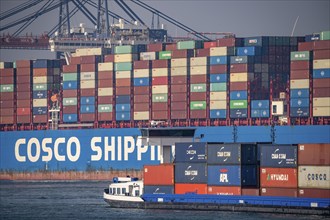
column 243, row 18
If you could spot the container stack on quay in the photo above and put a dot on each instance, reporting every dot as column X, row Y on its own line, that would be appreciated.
column 7, row 93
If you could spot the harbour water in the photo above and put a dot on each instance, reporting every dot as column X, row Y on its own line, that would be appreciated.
column 83, row 200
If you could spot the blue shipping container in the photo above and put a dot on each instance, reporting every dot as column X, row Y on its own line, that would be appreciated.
column 87, row 100
column 312, row 37
column 141, row 81
column 224, row 175
column 224, row 154
column 278, row 156
column 238, row 113
column 158, row 189
column 250, row 175
column 248, row 51
column 215, row 60
column 299, row 112
column 123, row 107
column 259, row 113
column 123, row 116
column 321, row 73
column 190, row 173
column 40, row 94
column 299, row 93
column 218, row 113
column 299, row 103
column 256, row 41
column 218, row 78
column 87, row 109
column 123, row 99
column 40, row 110
column 260, row 104
column 70, row 117
column 249, row 154
column 190, row 152
column 43, row 63
column 70, row 85
column 238, row 95
column 241, row 59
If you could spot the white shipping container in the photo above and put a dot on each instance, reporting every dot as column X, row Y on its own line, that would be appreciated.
column 41, row 79
column 238, row 77
column 123, row 74
column 88, row 51
column 87, row 84
column 179, row 71
column 198, row 61
column 321, row 102
column 40, row 103
column 120, row 58
column 198, row 70
column 105, row 91
column 218, row 104
column 218, row 96
column 321, row 111
column 141, row 115
column 105, row 66
column 179, row 62
column 160, row 89
column 140, row 73
column 148, row 56
column 321, row 64
column 87, row 76
column 222, row 51
column 160, row 72
column 316, row 177
column 299, row 84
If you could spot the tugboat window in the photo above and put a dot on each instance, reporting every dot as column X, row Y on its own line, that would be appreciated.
column 137, row 192
column 118, row 191
column 110, row 191
column 123, row 191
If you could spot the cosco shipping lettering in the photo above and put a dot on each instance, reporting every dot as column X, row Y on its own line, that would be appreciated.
column 235, row 123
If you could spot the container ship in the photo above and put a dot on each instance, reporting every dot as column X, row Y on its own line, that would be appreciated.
column 108, row 112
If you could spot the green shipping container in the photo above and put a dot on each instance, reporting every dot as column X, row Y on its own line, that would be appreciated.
column 70, row 77
column 105, row 108
column 198, row 105
column 198, row 87
column 218, row 87
column 165, row 55
column 125, row 66
column 40, row 87
column 159, row 97
column 300, row 55
column 325, row 35
column 124, row 49
column 235, row 104
column 191, row 44
column 7, row 88
column 69, row 101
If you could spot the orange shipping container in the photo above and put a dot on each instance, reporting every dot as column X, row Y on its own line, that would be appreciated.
column 289, row 192
column 162, row 174
column 314, row 154
column 314, row 193
column 224, row 190
column 183, row 188
column 251, row 192
column 279, row 177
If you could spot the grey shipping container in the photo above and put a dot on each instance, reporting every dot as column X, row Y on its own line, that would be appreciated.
column 224, row 154
column 158, row 189
column 278, row 156
column 190, row 173
column 190, row 152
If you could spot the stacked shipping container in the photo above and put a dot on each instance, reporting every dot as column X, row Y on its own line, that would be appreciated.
column 158, row 179
column 7, row 93
column 105, row 91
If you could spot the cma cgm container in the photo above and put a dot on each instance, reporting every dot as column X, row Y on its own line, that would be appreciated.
column 278, row 156
column 190, row 173
column 190, row 152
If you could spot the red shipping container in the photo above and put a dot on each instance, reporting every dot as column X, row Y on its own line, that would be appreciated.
column 105, row 75
column 198, row 79
column 123, row 82
column 321, row 83
column 159, row 106
column 305, row 46
column 178, row 80
column 155, row 47
column 178, row 114
column 109, row 58
column 7, row 111
column 322, row 45
column 90, row 67
column 198, row 96
column 210, row 44
column 69, row 93
column 184, row 188
column 314, row 154
column 105, row 83
column 23, row 63
column 321, row 92
column 250, row 192
column 23, row 87
column 7, row 72
column 24, row 71
column 159, row 115
column 229, row 42
column 139, row 107
column 102, row 100
column 23, row 103
column 170, row 47
column 87, row 92
column 300, row 65
column 70, row 109
column 224, row 190
column 75, row 60
column 162, row 174
column 7, row 104
column 23, row 119
column 23, row 95
column 123, row 90
column 24, row 79
column 203, row 52
column 90, row 59
column 141, row 98
column 142, row 64
column 183, row 54
column 40, row 118
column 314, row 193
column 141, row 90
column 217, row 69
column 160, row 80
column 160, row 64
column 104, row 116
column 240, row 67
column 6, row 80
column 87, row 117
column 4, row 96
column 279, row 177
column 321, row 54
column 179, row 88
column 7, row 119
column 24, row 111
column 43, row 72
column 70, row 68
column 299, row 74
column 287, row 192
column 198, row 114
column 235, row 86
column 179, row 106
column 179, row 97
